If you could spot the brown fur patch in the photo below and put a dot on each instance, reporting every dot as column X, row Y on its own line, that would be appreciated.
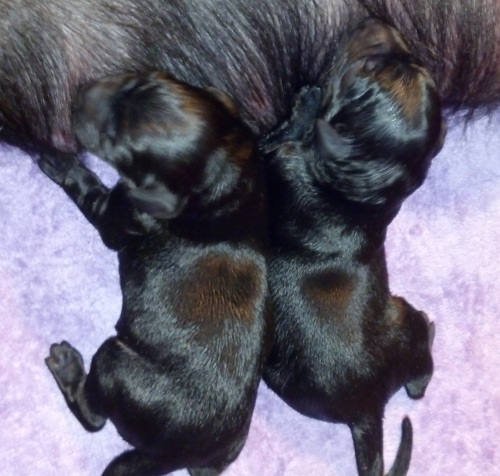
column 407, row 89
column 329, row 294
column 220, row 287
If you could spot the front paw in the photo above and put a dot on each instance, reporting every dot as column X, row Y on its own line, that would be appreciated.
column 299, row 126
column 304, row 114
column 57, row 165
column 307, row 103
column 66, row 365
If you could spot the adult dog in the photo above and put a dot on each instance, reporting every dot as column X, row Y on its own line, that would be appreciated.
column 343, row 344
column 179, row 380
column 261, row 52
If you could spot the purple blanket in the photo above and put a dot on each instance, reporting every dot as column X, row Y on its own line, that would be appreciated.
column 58, row 281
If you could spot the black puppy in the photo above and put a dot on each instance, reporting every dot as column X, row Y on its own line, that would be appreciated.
column 343, row 344
column 188, row 219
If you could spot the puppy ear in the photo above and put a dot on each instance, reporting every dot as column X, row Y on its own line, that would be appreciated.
column 157, row 201
column 225, row 99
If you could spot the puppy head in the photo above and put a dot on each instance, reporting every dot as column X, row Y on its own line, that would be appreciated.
column 169, row 141
column 382, row 119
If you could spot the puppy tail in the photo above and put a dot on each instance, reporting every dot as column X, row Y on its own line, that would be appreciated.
column 402, row 462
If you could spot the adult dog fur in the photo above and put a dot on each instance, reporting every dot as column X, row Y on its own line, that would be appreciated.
column 343, row 344
column 261, row 52
column 179, row 380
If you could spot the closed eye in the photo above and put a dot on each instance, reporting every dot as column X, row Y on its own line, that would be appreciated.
column 341, row 129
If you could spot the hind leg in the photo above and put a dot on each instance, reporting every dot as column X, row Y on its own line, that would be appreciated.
column 367, row 435
column 66, row 365
column 423, row 365
column 206, row 471
column 137, row 463
column 219, row 468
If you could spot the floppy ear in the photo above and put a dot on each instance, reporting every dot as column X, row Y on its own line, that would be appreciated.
column 225, row 99
column 157, row 201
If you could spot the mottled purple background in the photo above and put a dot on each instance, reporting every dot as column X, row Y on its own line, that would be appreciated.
column 57, row 281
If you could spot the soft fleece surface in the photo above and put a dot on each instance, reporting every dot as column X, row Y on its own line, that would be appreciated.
column 57, row 281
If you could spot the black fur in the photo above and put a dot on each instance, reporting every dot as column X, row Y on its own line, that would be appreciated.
column 188, row 219
column 260, row 51
column 343, row 344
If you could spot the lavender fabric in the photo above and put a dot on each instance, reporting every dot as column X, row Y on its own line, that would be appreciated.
column 58, row 281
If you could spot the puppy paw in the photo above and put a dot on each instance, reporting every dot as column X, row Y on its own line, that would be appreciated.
column 299, row 126
column 57, row 165
column 305, row 112
column 66, row 365
column 416, row 388
column 308, row 102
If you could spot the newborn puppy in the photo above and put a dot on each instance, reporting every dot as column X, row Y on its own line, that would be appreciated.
column 343, row 344
column 188, row 219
